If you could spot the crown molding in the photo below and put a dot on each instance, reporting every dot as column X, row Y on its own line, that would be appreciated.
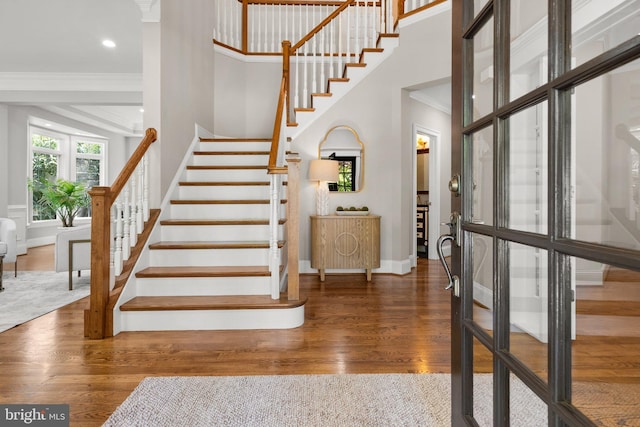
column 56, row 82
column 150, row 10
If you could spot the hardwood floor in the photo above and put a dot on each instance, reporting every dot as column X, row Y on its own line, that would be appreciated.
column 393, row 324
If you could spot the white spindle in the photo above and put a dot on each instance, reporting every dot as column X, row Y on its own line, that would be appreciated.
column 332, row 40
column 389, row 25
column 117, row 255
column 138, row 175
column 274, row 259
column 126, row 221
column 266, row 28
column 356, row 49
column 280, row 39
column 133, row 235
column 232, row 26
column 374, row 36
column 314, row 85
column 323, row 50
column 296, row 102
column 145, row 201
column 339, row 34
column 348, row 47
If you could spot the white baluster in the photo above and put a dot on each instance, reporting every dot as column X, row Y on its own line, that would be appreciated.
column 117, row 255
column 314, row 85
column 356, row 49
column 296, row 101
column 232, row 26
column 140, row 202
column 323, row 50
column 133, row 235
column 389, row 27
column 252, row 26
column 273, row 28
column 225, row 26
column 266, row 28
column 126, row 222
column 348, row 47
column 280, row 39
column 374, row 35
column 332, row 41
column 340, row 44
column 145, row 201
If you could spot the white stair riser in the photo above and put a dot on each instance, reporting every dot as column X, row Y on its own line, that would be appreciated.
column 226, row 175
column 223, row 211
column 216, row 233
column 224, row 192
column 178, row 320
column 193, row 286
column 234, row 146
column 210, row 257
column 228, row 159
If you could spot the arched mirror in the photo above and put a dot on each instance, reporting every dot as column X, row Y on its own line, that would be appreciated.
column 342, row 143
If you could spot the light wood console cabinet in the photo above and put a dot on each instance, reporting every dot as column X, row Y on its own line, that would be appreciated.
column 347, row 242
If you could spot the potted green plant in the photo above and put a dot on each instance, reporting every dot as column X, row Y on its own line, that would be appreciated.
column 65, row 198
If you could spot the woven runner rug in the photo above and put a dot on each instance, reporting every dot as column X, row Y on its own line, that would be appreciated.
column 313, row 400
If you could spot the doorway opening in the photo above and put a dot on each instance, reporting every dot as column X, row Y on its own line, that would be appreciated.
column 426, row 143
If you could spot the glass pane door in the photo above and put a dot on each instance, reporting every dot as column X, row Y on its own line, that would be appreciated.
column 546, row 140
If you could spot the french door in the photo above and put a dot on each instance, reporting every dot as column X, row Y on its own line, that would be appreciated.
column 546, row 222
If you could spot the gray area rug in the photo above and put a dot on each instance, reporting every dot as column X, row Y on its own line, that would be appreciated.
column 34, row 293
column 313, row 400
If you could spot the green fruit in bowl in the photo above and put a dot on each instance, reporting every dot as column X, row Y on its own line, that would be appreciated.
column 364, row 208
column 352, row 208
column 340, row 208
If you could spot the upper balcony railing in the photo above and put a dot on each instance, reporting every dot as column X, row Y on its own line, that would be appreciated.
column 258, row 27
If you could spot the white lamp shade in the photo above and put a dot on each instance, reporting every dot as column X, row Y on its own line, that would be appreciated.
column 323, row 170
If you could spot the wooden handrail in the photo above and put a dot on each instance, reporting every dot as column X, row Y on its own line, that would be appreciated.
column 149, row 138
column 321, row 25
column 102, row 199
column 275, row 141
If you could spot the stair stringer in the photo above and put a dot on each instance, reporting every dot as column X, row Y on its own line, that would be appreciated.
column 355, row 74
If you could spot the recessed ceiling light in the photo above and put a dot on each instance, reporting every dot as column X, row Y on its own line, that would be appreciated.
column 142, row 110
column 108, row 43
column 47, row 124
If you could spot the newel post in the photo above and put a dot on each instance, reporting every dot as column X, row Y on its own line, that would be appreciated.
column 286, row 55
column 95, row 317
column 293, row 226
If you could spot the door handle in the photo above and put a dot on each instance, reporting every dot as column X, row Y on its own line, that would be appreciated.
column 454, row 281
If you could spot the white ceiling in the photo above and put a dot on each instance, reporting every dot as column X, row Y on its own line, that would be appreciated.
column 52, row 56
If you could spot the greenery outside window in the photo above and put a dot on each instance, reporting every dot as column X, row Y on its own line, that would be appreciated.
column 346, row 174
column 57, row 155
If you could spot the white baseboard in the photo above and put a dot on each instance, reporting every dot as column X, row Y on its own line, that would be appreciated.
column 41, row 241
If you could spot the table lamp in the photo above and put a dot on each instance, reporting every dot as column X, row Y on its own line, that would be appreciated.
column 323, row 171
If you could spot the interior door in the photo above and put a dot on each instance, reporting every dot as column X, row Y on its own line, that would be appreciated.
column 545, row 140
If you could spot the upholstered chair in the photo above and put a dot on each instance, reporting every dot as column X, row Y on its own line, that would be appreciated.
column 8, row 246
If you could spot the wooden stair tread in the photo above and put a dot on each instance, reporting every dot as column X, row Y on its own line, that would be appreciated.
column 607, row 308
column 355, row 64
column 224, row 202
column 309, row 110
column 197, row 222
column 373, row 49
column 324, row 94
column 223, row 183
column 204, row 271
column 235, row 139
column 226, row 302
column 222, row 167
column 230, row 153
column 338, row 79
column 214, row 245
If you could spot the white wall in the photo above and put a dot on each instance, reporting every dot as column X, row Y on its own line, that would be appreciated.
column 178, row 69
column 246, row 96
column 374, row 110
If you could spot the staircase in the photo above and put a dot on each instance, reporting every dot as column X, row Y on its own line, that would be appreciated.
column 209, row 268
